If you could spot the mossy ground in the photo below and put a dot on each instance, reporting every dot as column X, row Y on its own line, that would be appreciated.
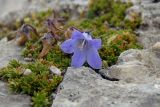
column 33, row 18
column 40, row 84
column 103, row 19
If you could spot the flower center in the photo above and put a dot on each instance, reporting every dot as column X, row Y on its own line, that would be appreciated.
column 87, row 36
column 82, row 44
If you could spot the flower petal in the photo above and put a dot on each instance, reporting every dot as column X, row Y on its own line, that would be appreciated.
column 77, row 35
column 95, row 43
column 93, row 58
column 68, row 46
column 78, row 58
column 87, row 36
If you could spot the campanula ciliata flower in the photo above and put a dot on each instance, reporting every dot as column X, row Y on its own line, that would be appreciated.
column 84, row 48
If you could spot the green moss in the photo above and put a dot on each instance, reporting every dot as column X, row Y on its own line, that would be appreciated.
column 134, row 23
column 55, row 55
column 40, row 99
column 9, row 73
column 40, row 84
column 113, row 12
column 115, row 43
column 59, row 59
column 43, row 98
column 32, row 49
column 14, row 64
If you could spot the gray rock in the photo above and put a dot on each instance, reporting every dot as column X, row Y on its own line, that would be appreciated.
column 135, row 2
column 27, row 72
column 12, row 100
column 7, row 6
column 55, row 70
column 9, row 12
column 27, row 59
column 135, row 66
column 156, row 46
column 84, row 88
column 149, row 31
column 132, row 12
column 8, row 51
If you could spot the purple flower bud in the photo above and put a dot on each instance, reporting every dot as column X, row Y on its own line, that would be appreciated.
column 26, row 29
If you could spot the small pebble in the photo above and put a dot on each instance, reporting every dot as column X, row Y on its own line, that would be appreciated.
column 156, row 46
column 55, row 70
column 27, row 72
column 28, row 59
column 157, row 86
column 54, row 95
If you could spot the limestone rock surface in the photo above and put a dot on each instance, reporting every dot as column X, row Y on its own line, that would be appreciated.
column 9, row 50
column 84, row 88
